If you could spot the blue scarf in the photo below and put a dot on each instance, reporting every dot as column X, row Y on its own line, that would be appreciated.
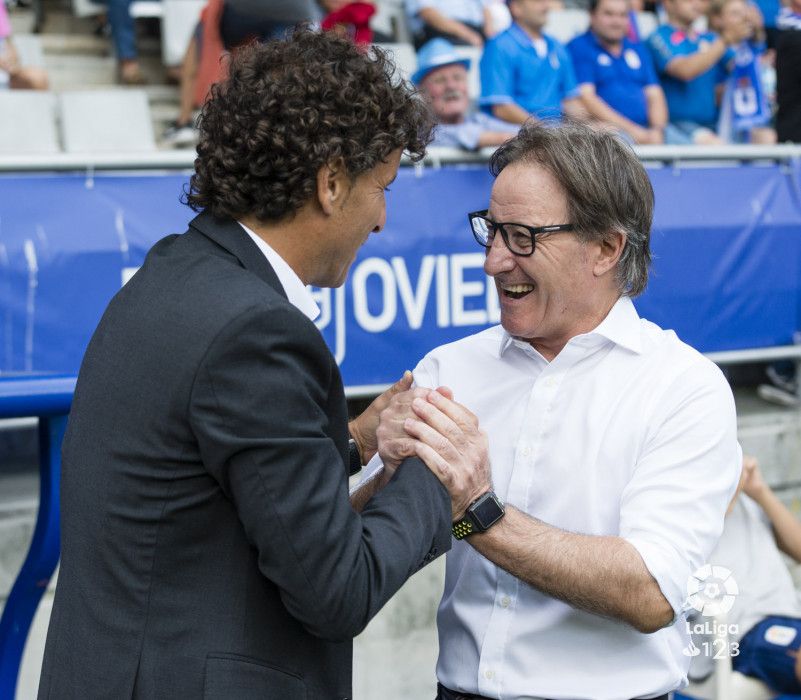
column 744, row 103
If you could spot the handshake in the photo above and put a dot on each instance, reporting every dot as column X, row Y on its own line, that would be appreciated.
column 426, row 423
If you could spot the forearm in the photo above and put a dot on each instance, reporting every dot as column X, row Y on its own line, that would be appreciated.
column 599, row 109
column 690, row 67
column 786, row 527
column 444, row 24
column 510, row 112
column 600, row 574
column 656, row 105
column 493, row 138
column 360, row 497
column 574, row 108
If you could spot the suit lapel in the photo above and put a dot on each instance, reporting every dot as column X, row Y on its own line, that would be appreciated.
column 228, row 234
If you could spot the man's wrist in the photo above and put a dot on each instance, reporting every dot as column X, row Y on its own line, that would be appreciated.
column 479, row 516
column 355, row 436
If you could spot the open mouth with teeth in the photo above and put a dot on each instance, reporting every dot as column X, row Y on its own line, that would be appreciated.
column 517, row 291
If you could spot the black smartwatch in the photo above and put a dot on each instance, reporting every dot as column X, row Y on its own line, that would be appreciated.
column 354, row 458
column 481, row 515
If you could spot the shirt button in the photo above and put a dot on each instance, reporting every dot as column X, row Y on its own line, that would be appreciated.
column 526, row 452
column 550, row 382
column 489, row 674
column 505, row 601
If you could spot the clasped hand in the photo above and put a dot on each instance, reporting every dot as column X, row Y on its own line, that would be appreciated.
column 444, row 434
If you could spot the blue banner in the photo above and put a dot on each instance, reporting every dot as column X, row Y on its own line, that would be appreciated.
column 726, row 273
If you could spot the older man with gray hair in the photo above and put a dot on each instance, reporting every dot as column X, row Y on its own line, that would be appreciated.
column 612, row 444
column 442, row 77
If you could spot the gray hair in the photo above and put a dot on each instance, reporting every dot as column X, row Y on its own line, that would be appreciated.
column 606, row 186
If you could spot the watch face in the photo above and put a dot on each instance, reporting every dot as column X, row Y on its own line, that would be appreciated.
column 486, row 510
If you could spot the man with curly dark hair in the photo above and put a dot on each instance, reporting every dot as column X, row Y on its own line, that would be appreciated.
column 209, row 547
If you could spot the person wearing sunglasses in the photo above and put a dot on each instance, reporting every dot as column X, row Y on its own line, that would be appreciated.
column 612, row 443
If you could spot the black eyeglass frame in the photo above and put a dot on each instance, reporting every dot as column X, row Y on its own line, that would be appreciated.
column 495, row 226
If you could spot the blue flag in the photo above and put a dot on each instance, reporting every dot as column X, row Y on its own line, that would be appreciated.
column 744, row 103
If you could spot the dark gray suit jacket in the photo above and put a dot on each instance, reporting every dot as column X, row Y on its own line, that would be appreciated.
column 209, row 549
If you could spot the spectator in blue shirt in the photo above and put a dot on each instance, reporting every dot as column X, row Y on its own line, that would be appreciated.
column 691, row 66
column 442, row 77
column 526, row 73
column 616, row 76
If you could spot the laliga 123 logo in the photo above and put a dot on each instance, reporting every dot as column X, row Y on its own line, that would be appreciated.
column 711, row 590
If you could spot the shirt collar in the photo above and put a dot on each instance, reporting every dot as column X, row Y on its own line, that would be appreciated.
column 621, row 326
column 296, row 292
column 519, row 35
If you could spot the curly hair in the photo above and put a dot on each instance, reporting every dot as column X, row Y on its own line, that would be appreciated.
column 289, row 107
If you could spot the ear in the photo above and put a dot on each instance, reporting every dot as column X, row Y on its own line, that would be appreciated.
column 333, row 185
column 610, row 248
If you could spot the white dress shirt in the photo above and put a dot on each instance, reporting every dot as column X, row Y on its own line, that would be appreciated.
column 627, row 432
column 296, row 292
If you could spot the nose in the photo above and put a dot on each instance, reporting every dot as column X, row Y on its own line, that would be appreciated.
column 499, row 257
column 382, row 220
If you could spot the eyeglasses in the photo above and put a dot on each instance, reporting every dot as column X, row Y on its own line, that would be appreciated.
column 519, row 238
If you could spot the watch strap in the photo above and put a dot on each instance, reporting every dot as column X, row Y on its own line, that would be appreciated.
column 476, row 517
column 464, row 527
column 354, row 458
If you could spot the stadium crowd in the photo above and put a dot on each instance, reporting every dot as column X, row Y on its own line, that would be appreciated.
column 712, row 72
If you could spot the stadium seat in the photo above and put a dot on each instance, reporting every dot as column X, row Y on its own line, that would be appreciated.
column 147, row 8
column 473, row 78
column 501, row 17
column 86, row 8
column 29, row 49
column 390, row 19
column 106, row 121
column 565, row 24
column 177, row 25
column 28, row 122
column 404, row 57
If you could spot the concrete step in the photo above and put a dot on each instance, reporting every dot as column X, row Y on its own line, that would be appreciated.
column 85, row 44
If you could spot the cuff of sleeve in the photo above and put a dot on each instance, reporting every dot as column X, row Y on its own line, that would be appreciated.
column 490, row 100
column 372, row 470
column 667, row 570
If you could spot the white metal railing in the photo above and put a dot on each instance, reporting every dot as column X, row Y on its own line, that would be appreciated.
column 436, row 157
